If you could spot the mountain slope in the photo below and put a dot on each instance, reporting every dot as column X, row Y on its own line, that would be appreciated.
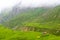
column 38, row 17
column 24, row 17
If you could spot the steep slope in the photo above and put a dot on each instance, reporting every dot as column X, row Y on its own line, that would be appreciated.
column 9, row 13
column 49, row 19
column 24, row 17
column 52, row 15
column 38, row 17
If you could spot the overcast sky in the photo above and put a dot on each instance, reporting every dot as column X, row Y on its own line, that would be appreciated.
column 27, row 3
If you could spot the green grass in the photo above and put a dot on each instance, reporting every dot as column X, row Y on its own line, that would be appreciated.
column 8, row 34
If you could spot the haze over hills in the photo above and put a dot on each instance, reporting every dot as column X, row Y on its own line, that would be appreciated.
column 8, row 13
column 38, row 23
column 25, row 13
column 30, row 20
column 30, row 17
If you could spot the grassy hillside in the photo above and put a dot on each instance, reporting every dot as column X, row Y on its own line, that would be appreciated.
column 8, row 34
column 24, row 17
column 49, row 19
column 38, row 17
column 36, row 24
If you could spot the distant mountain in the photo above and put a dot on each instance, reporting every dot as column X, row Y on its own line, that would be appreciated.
column 26, row 15
column 9, row 13
column 43, row 17
column 38, row 17
column 52, row 15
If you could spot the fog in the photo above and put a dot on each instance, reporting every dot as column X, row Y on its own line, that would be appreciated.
column 27, row 3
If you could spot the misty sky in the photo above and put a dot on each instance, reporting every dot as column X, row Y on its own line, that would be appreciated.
column 27, row 3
